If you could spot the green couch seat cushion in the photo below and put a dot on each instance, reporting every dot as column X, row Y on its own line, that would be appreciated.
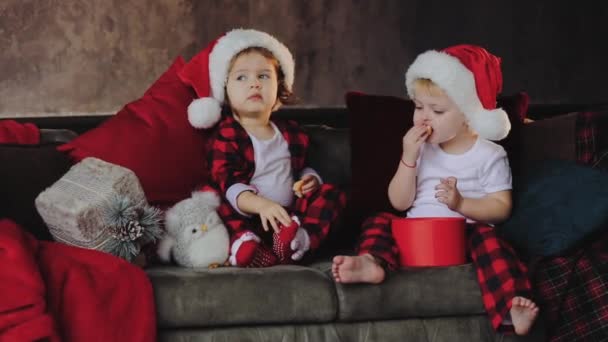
column 241, row 296
column 413, row 293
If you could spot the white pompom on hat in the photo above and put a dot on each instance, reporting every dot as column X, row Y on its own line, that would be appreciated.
column 207, row 72
column 472, row 78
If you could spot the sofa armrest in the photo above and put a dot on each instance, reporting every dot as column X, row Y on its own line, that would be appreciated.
column 56, row 136
column 25, row 172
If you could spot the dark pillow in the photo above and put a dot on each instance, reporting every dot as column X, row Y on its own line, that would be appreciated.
column 378, row 124
column 557, row 205
column 152, row 137
column 26, row 171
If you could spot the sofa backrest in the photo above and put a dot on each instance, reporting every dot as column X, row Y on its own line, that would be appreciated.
column 329, row 153
column 327, row 127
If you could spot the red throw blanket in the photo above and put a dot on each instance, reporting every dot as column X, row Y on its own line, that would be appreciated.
column 13, row 132
column 64, row 293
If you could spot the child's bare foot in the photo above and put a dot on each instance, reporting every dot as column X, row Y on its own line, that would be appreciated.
column 357, row 269
column 523, row 313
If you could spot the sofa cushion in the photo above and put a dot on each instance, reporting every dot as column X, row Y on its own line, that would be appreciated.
column 378, row 124
column 241, row 296
column 557, row 206
column 535, row 135
column 583, row 136
column 152, row 137
column 414, row 292
column 25, row 172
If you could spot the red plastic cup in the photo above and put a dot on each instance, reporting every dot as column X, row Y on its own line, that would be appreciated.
column 430, row 241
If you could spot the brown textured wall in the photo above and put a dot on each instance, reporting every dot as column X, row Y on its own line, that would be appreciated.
column 65, row 57
column 62, row 56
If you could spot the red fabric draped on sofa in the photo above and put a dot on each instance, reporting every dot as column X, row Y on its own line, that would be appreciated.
column 13, row 132
column 57, row 292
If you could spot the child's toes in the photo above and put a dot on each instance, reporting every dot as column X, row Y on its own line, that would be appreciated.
column 339, row 259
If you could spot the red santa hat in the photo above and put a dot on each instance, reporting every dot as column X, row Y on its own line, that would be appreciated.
column 207, row 72
column 472, row 78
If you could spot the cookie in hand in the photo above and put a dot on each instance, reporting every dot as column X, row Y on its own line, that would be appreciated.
column 297, row 188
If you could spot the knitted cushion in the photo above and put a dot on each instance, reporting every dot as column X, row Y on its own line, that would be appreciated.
column 99, row 205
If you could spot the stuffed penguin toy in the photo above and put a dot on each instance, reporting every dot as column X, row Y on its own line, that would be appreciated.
column 196, row 236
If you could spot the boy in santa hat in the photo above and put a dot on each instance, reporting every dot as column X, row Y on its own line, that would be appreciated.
column 276, row 207
column 450, row 168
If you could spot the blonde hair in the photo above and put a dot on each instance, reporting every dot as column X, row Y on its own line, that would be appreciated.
column 427, row 86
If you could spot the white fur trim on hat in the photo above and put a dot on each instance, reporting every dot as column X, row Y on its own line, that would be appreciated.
column 459, row 84
column 204, row 112
column 236, row 41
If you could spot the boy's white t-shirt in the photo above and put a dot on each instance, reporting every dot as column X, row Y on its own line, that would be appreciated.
column 481, row 170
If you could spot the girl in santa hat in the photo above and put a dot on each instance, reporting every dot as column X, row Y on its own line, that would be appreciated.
column 276, row 208
column 450, row 168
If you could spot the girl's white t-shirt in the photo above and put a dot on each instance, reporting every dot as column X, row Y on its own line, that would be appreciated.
column 273, row 175
column 481, row 170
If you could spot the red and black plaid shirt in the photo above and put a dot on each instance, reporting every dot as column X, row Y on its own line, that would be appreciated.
column 231, row 155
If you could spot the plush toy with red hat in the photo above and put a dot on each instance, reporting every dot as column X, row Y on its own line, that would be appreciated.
column 207, row 72
column 472, row 78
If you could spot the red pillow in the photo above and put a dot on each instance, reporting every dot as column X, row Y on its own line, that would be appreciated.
column 152, row 137
column 377, row 126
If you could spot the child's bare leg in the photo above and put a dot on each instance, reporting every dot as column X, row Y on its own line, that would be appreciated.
column 523, row 313
column 357, row 269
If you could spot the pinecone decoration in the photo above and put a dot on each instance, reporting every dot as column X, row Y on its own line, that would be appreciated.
column 135, row 230
column 131, row 226
column 129, row 232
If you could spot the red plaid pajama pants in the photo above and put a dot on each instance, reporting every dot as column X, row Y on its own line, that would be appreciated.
column 317, row 212
column 500, row 273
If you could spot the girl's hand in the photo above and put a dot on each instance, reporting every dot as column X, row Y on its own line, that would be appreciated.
column 412, row 140
column 448, row 193
column 309, row 183
column 273, row 214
